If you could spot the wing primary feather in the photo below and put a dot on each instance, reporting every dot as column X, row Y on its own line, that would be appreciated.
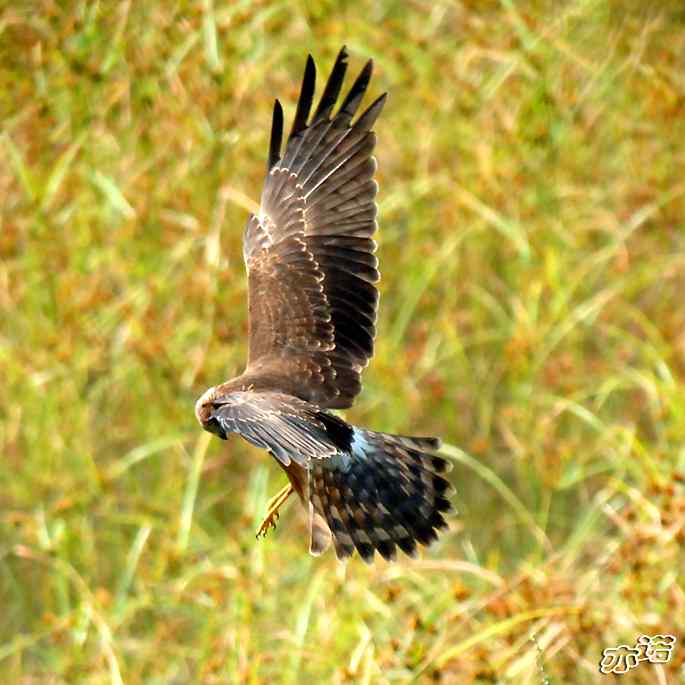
column 311, row 139
column 344, row 116
column 356, row 154
column 276, row 136
column 333, row 86
column 368, row 118
column 347, row 138
column 354, row 97
column 322, row 148
column 304, row 103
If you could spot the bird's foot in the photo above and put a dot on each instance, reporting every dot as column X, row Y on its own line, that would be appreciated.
column 272, row 507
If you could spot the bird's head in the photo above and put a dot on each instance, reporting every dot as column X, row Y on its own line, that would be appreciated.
column 204, row 411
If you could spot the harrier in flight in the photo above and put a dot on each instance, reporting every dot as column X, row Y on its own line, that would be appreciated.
column 312, row 304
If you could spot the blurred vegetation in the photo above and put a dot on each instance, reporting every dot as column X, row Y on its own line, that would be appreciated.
column 532, row 243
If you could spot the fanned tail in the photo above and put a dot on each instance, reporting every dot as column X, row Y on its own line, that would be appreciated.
column 384, row 492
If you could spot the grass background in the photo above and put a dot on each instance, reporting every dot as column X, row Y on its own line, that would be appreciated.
column 532, row 244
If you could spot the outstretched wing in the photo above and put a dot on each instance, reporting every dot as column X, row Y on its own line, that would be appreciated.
column 309, row 251
column 291, row 430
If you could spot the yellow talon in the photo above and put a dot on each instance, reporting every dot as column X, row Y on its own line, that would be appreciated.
column 272, row 507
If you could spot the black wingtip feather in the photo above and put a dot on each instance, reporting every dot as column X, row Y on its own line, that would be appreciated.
column 354, row 97
column 276, row 136
column 368, row 118
column 304, row 103
column 333, row 86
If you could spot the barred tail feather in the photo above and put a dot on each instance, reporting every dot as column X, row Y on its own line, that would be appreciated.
column 384, row 492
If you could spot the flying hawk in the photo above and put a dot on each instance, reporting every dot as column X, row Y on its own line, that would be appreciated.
column 312, row 307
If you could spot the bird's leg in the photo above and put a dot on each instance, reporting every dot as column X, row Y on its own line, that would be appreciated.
column 272, row 507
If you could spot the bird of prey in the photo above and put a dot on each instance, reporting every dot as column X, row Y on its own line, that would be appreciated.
column 312, row 305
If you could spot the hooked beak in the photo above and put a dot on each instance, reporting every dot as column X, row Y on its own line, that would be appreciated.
column 204, row 413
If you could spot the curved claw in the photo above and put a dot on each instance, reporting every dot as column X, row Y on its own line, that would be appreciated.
column 268, row 522
column 272, row 514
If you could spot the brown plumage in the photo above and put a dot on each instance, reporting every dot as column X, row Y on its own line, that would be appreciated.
column 312, row 304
